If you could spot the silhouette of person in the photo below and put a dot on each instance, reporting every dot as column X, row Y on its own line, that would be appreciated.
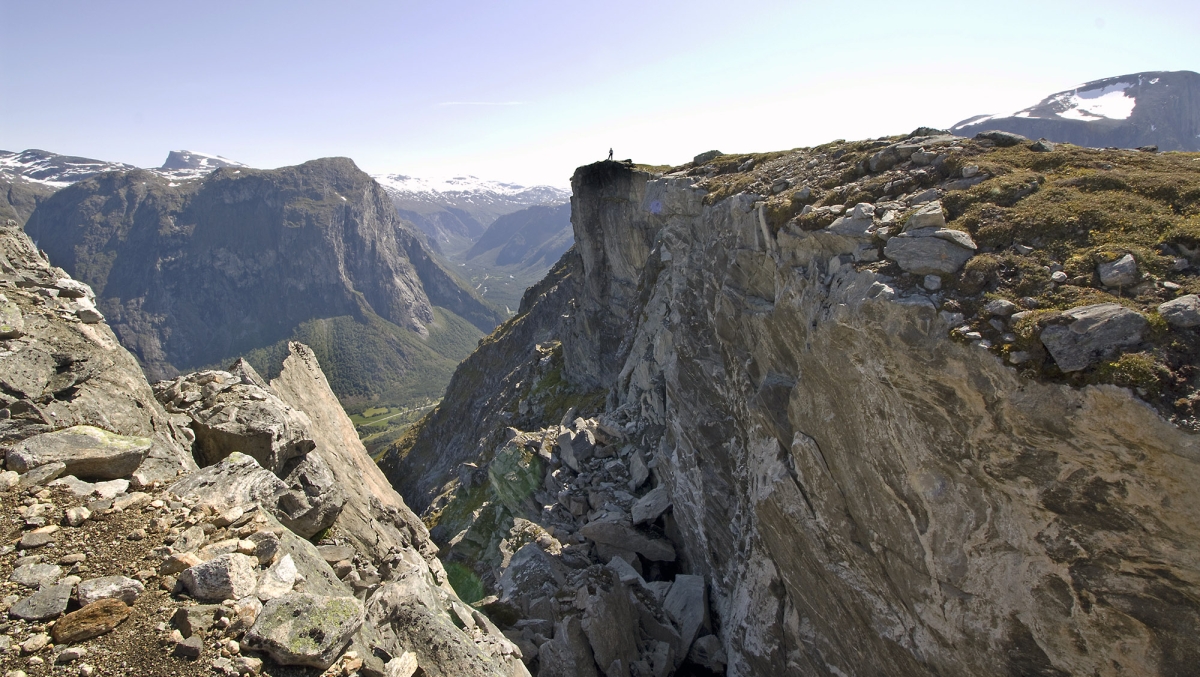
column 610, row 155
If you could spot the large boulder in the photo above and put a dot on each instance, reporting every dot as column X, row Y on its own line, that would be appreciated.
column 569, row 654
column 687, row 605
column 304, row 629
column 228, row 414
column 88, row 453
column 930, row 251
column 314, row 498
column 610, row 623
column 619, row 533
column 1092, row 333
column 1182, row 312
column 228, row 576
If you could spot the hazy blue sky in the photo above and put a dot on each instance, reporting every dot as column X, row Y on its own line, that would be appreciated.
column 526, row 91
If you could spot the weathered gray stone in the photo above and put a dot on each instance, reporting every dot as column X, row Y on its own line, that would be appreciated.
column 278, row 580
column 266, row 546
column 707, row 652
column 238, row 480
column 304, row 629
column 649, row 507
column 621, row 534
column 49, row 602
column 314, row 499
column 88, row 453
column 190, row 539
column 110, row 587
column 230, row 576
column 638, row 472
column 1181, row 312
column 687, row 605
column 35, row 575
column 1120, row 273
column 942, row 252
column 929, row 216
column 77, row 516
column 1093, row 333
column 12, row 324
column 195, row 620
column 608, row 621
column 111, row 489
column 569, row 654
column 75, row 485
column 1001, row 138
column 531, row 574
column 36, row 539
column 707, row 156
column 42, row 474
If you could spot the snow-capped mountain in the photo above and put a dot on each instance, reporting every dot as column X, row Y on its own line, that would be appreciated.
column 1142, row 109
column 453, row 212
column 52, row 169
column 187, row 164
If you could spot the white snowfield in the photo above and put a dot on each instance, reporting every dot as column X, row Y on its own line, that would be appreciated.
column 468, row 189
column 60, row 171
column 1092, row 104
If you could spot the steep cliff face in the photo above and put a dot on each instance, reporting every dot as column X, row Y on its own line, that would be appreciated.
column 198, row 272
column 865, row 485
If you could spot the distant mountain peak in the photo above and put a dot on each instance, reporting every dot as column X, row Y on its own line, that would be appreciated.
column 1160, row 108
column 466, row 184
column 187, row 164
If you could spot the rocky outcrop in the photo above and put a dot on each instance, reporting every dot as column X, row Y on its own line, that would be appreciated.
column 857, row 486
column 102, row 558
column 194, row 273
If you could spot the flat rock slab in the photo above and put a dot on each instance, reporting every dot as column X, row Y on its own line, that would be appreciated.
column 110, row 587
column 42, row 474
column 88, row 453
column 1182, row 312
column 621, row 535
column 192, row 620
column 93, row 620
column 1092, row 333
column 36, row 575
column 931, row 255
column 304, row 629
column 687, row 605
column 649, row 507
column 230, row 576
column 36, row 539
column 49, row 602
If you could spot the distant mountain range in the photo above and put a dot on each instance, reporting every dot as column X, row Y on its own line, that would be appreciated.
column 196, row 272
column 1160, row 108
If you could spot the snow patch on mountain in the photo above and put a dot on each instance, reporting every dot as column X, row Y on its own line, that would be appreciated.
column 1110, row 102
column 52, row 169
column 464, row 190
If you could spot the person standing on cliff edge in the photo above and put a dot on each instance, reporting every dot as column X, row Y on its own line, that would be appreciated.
column 610, row 155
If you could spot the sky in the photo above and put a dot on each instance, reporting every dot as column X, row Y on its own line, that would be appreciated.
column 527, row 91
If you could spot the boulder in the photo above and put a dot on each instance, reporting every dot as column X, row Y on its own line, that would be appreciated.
column 649, row 507
column 42, row 474
column 569, row 654
column 1002, row 139
column 707, row 652
column 531, row 574
column 92, row 620
column 1181, row 312
column 230, row 415
column 620, row 534
column 49, row 602
column 707, row 156
column 929, row 251
column 12, row 324
column 238, row 480
column 687, row 605
column 304, row 629
column 230, row 576
column 638, row 472
column 87, row 453
column 1092, row 333
column 195, row 620
column 931, row 215
column 278, row 580
column 110, row 587
column 610, row 623
column 35, row 575
column 1120, row 273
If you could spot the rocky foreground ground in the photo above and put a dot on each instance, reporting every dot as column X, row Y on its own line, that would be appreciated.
column 214, row 524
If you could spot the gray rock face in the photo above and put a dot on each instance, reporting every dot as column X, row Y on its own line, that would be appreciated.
column 687, row 605
column 569, row 654
column 237, row 481
column 839, row 467
column 1182, row 312
column 110, row 587
column 607, row 618
column 88, row 453
column 1001, row 138
column 650, row 506
column 229, row 576
column 1092, row 333
column 931, row 215
column 1120, row 273
column 49, row 602
column 278, row 580
column 921, row 252
column 304, row 629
